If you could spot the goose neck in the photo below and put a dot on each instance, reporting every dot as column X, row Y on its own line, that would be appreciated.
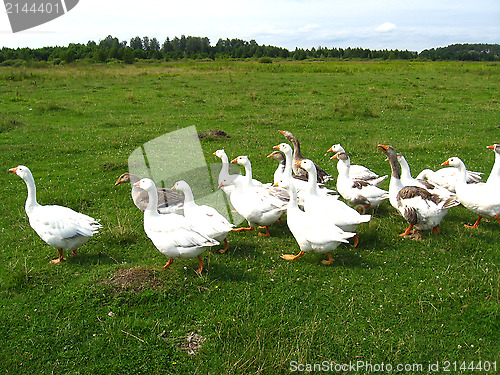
column 343, row 168
column 405, row 169
column 288, row 163
column 31, row 198
column 312, row 183
column 395, row 184
column 188, row 196
column 225, row 162
column 151, row 208
column 248, row 173
column 461, row 175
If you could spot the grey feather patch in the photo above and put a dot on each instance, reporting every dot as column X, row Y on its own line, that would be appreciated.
column 359, row 184
column 411, row 215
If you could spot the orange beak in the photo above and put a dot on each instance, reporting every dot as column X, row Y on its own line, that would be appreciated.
column 383, row 147
column 334, row 157
column 13, row 170
column 330, row 149
column 281, row 131
column 137, row 184
column 214, row 154
column 173, row 187
column 221, row 185
column 492, row 147
column 447, row 162
column 235, row 161
column 270, row 155
column 298, row 163
column 118, row 182
column 277, row 147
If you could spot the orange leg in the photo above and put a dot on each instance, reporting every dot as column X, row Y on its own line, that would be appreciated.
column 475, row 224
column 435, row 230
column 291, row 256
column 407, row 231
column 356, row 241
column 222, row 251
column 498, row 218
column 243, row 229
column 73, row 253
column 170, row 261
column 329, row 260
column 264, row 234
column 60, row 259
column 200, row 268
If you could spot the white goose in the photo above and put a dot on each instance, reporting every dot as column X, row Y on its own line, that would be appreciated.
column 360, row 193
column 204, row 219
column 421, row 209
column 338, row 213
column 259, row 205
column 168, row 201
column 360, row 172
column 172, row 234
column 226, row 180
column 408, row 180
column 483, row 199
column 494, row 177
column 446, row 177
column 60, row 227
column 311, row 231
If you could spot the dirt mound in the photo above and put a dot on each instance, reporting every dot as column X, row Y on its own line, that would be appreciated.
column 213, row 134
column 134, row 280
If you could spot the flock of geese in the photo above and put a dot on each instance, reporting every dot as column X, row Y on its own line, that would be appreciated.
column 317, row 218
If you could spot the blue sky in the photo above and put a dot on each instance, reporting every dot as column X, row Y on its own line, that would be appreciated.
column 374, row 24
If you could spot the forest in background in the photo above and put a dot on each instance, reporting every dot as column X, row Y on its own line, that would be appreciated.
column 111, row 49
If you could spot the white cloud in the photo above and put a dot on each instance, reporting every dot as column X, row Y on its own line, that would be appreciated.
column 309, row 28
column 386, row 27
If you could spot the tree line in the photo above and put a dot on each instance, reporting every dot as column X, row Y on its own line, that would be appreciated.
column 145, row 48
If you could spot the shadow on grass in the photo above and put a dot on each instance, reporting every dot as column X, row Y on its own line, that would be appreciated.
column 227, row 272
column 346, row 259
column 90, row 259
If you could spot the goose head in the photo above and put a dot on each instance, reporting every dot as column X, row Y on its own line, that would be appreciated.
column 22, row 171
column 289, row 186
column 241, row 160
column 220, row 153
column 341, row 155
column 336, row 148
column 145, row 184
column 127, row 178
column 452, row 162
column 290, row 137
column 181, row 185
column 287, row 134
column 307, row 164
column 278, row 155
column 392, row 157
column 284, row 147
column 495, row 147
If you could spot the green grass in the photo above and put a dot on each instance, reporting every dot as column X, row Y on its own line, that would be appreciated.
column 112, row 309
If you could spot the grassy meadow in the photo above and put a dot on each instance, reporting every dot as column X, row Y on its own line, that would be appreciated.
column 114, row 310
